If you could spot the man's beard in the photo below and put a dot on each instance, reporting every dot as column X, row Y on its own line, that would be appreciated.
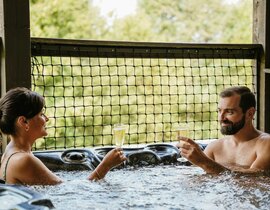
column 232, row 128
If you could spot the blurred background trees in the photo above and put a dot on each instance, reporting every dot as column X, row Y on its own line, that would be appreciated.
column 206, row 21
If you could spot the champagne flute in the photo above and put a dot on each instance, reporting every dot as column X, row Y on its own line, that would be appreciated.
column 183, row 130
column 119, row 132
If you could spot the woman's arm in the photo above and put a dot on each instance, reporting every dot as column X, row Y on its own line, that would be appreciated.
column 111, row 159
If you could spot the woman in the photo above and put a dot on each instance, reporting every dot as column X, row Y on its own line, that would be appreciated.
column 23, row 120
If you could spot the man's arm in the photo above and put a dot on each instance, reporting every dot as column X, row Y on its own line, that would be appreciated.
column 191, row 151
column 205, row 160
column 262, row 161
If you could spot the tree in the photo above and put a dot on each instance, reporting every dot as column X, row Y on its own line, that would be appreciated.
column 160, row 20
column 66, row 19
column 199, row 21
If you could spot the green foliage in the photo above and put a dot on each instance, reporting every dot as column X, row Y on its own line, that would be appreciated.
column 65, row 19
column 199, row 21
column 130, row 29
column 160, row 20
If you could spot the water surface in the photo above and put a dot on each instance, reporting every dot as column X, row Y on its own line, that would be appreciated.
column 159, row 187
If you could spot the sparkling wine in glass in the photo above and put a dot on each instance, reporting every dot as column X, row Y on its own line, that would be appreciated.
column 183, row 130
column 119, row 132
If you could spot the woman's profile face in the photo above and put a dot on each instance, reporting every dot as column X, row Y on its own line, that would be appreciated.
column 37, row 125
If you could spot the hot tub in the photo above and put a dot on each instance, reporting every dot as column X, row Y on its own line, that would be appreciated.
column 152, row 178
column 162, row 186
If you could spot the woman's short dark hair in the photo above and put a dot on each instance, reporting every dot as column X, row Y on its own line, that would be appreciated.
column 247, row 98
column 17, row 102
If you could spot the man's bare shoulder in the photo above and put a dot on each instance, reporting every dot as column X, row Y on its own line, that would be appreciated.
column 214, row 147
column 217, row 142
column 262, row 149
column 265, row 136
column 264, row 140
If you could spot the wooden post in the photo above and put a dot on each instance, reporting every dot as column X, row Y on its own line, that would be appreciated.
column 15, row 51
column 15, row 46
column 261, row 33
column 267, row 67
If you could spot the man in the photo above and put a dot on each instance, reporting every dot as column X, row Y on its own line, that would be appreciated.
column 243, row 148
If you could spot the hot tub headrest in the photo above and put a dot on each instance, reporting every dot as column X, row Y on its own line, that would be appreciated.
column 147, row 155
column 83, row 159
column 143, row 157
column 20, row 197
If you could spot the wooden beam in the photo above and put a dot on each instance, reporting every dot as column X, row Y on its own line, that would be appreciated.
column 267, row 67
column 15, row 49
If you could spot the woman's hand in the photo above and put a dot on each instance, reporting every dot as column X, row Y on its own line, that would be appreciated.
column 113, row 158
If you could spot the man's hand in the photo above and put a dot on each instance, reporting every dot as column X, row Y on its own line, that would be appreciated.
column 190, row 150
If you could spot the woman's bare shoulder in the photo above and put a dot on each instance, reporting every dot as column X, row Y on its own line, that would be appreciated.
column 25, row 162
column 30, row 170
column 22, row 159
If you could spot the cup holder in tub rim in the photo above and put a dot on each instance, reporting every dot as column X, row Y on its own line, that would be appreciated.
column 69, row 159
column 75, row 155
column 80, row 156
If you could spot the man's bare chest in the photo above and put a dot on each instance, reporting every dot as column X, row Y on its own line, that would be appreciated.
column 243, row 155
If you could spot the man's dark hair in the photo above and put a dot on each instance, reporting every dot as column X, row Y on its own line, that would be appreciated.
column 247, row 98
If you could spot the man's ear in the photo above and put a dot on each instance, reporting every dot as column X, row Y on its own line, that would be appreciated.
column 251, row 112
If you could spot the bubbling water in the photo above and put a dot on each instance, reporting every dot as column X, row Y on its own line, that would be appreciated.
column 159, row 187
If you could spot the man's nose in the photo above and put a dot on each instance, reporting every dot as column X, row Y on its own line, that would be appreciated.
column 221, row 116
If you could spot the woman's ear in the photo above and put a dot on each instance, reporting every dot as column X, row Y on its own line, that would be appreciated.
column 23, row 123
